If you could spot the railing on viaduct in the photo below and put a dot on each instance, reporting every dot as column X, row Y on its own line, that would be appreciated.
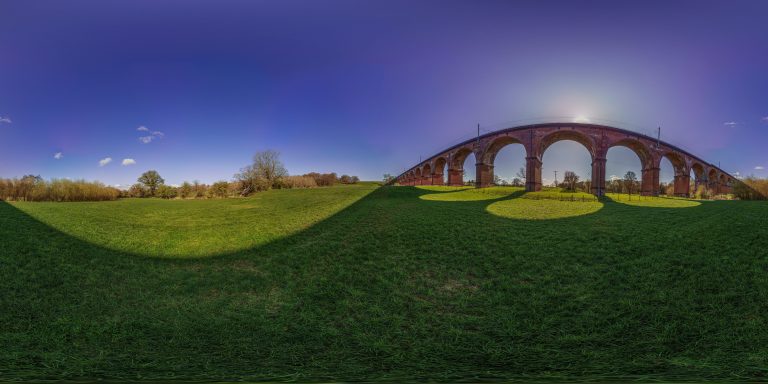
column 598, row 139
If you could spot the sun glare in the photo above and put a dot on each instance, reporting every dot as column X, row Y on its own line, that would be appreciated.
column 581, row 119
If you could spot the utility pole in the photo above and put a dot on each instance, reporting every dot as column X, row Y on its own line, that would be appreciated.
column 478, row 135
column 658, row 138
column 555, row 179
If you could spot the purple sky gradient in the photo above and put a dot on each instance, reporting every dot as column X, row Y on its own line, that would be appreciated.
column 366, row 87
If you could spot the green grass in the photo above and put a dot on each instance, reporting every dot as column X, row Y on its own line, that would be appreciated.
column 394, row 283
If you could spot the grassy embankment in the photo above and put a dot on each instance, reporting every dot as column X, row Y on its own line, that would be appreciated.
column 361, row 283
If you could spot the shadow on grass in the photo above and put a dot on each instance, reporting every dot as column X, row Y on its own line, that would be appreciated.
column 394, row 287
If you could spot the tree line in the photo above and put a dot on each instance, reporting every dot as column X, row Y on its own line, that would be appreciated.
column 265, row 172
column 34, row 188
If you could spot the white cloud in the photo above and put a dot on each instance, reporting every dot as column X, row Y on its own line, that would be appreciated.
column 759, row 167
column 765, row 119
column 58, row 155
column 105, row 161
column 730, row 123
column 151, row 137
column 142, row 129
column 5, row 120
column 129, row 161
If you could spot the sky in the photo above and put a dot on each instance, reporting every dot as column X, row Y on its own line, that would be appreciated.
column 106, row 90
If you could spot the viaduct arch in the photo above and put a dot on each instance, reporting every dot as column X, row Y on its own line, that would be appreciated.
column 597, row 139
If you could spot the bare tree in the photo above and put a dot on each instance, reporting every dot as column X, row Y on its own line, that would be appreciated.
column 629, row 181
column 265, row 172
column 268, row 165
column 521, row 174
column 570, row 180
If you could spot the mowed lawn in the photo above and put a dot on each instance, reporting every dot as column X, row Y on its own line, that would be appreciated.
column 391, row 283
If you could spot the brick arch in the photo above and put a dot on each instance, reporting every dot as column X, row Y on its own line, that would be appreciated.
column 426, row 175
column 676, row 159
column 456, row 165
column 497, row 145
column 723, row 185
column 713, row 179
column 712, row 175
column 698, row 171
column 682, row 178
column 409, row 178
column 437, row 171
column 566, row 134
column 638, row 147
column 459, row 157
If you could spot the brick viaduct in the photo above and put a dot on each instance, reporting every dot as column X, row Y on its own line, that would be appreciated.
column 598, row 139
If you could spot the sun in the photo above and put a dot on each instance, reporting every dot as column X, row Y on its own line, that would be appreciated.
column 581, row 119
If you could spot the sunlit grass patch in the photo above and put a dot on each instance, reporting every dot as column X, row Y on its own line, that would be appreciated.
column 543, row 209
column 557, row 195
column 474, row 194
column 442, row 188
column 652, row 201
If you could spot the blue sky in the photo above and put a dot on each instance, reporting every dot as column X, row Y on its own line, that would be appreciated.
column 366, row 87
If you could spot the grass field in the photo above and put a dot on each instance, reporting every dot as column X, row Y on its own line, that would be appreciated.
column 360, row 282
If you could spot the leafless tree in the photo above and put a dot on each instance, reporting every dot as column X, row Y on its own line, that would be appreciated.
column 570, row 180
column 629, row 181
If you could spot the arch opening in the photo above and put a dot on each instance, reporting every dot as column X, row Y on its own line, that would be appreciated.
column 623, row 170
column 426, row 175
column 440, row 171
column 566, row 135
column 666, row 178
column 468, row 169
column 564, row 156
column 508, row 161
column 698, row 180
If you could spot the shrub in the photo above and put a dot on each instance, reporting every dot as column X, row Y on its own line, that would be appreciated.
column 218, row 189
column 137, row 190
column 166, row 192
column 185, row 190
column 323, row 179
column 299, row 182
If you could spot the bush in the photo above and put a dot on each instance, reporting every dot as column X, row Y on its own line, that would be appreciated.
column 323, row 179
column 298, row 182
column 166, row 192
column 138, row 190
column 218, row 189
column 185, row 190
